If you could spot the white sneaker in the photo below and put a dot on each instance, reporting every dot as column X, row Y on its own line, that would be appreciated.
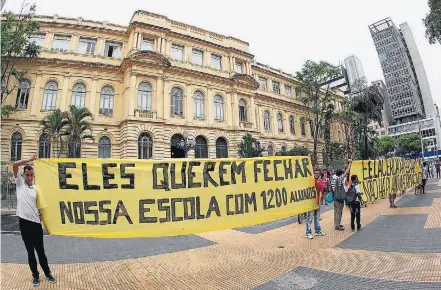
column 309, row 236
column 321, row 234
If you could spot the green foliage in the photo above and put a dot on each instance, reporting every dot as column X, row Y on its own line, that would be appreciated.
column 385, row 144
column 433, row 22
column 74, row 124
column 296, row 151
column 249, row 147
column 54, row 124
column 15, row 32
column 6, row 110
column 346, row 119
column 337, row 151
column 408, row 144
column 315, row 79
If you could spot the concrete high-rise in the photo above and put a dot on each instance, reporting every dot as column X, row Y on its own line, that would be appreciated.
column 409, row 103
column 407, row 85
column 354, row 70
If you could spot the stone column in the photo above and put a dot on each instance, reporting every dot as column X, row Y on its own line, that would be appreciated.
column 228, row 106
column 132, row 95
column 74, row 43
column 253, row 112
column 209, row 107
column 93, row 98
column 159, row 106
column 36, row 95
column 235, row 110
column 63, row 102
column 188, row 104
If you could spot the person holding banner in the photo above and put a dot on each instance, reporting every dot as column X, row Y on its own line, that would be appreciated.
column 29, row 219
column 315, row 213
column 340, row 196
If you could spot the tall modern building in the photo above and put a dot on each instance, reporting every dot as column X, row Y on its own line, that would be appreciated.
column 409, row 103
column 354, row 70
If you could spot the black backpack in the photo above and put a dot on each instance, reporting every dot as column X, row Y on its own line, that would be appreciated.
column 351, row 195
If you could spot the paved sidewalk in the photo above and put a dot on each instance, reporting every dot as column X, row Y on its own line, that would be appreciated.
column 397, row 249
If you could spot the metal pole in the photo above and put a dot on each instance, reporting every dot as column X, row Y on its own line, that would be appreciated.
column 421, row 140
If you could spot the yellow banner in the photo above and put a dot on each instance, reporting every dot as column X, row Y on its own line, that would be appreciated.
column 110, row 198
column 380, row 178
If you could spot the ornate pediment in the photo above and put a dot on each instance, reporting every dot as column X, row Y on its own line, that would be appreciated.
column 149, row 57
column 245, row 80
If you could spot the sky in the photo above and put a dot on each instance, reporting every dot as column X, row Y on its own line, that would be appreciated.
column 282, row 34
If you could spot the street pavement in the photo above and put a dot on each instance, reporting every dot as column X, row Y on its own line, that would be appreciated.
column 396, row 249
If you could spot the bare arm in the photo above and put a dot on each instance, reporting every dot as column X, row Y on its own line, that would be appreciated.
column 19, row 163
column 348, row 169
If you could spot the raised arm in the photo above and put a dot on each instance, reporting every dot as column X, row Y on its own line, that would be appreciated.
column 19, row 163
column 348, row 169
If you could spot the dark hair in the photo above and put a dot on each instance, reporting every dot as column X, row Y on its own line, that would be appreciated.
column 339, row 172
column 354, row 178
column 27, row 167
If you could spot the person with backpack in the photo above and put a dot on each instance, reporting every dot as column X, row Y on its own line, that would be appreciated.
column 354, row 201
column 340, row 196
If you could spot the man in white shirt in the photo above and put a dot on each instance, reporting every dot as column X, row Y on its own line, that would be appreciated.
column 29, row 219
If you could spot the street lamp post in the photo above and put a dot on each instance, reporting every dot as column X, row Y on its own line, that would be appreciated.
column 187, row 143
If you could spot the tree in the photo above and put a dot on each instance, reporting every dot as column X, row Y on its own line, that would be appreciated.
column 249, row 147
column 78, row 128
column 367, row 103
column 337, row 151
column 315, row 81
column 327, row 134
column 296, row 151
column 15, row 32
column 433, row 22
column 385, row 144
column 55, row 125
column 346, row 119
column 409, row 144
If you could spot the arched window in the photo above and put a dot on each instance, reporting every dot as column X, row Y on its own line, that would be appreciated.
column 221, row 148
column 201, row 147
column 218, row 108
column 280, row 122
column 283, row 149
column 104, row 147
column 79, row 96
column 23, row 94
column 242, row 110
column 16, row 142
column 106, row 101
column 145, row 146
column 50, row 96
column 44, row 146
column 266, row 121
column 74, row 148
column 145, row 97
column 270, row 150
column 292, row 127
column 198, row 107
column 302, row 127
column 177, row 102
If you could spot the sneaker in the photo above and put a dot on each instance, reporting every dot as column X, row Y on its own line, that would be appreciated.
column 339, row 229
column 358, row 229
column 320, row 234
column 353, row 230
column 36, row 281
column 51, row 279
column 309, row 236
column 394, row 206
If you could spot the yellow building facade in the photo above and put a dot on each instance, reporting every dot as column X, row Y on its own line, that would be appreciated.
column 150, row 84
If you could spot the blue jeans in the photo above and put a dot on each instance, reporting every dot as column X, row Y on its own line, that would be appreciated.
column 316, row 214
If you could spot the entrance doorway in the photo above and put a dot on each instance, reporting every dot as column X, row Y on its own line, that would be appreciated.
column 176, row 151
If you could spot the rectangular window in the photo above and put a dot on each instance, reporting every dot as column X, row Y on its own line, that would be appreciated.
column 61, row 43
column 276, row 87
column 263, row 82
column 288, row 91
column 147, row 44
column 197, row 57
column 216, row 61
column 38, row 39
column 86, row 46
column 113, row 49
column 239, row 68
column 178, row 52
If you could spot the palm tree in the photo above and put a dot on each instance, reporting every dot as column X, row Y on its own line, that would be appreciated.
column 55, row 124
column 78, row 128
